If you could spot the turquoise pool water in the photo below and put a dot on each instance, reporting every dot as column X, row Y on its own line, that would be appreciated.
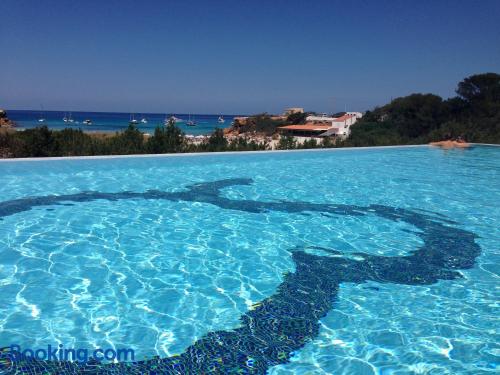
column 162, row 254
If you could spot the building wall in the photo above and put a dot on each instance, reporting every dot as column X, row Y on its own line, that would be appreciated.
column 320, row 119
column 345, row 126
column 357, row 114
column 342, row 128
column 289, row 111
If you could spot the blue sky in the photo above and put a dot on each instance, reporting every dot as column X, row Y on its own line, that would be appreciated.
column 239, row 56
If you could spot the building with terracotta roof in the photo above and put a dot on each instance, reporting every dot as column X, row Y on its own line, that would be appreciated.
column 323, row 126
column 309, row 129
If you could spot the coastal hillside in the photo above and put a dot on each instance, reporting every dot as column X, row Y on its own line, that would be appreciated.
column 474, row 114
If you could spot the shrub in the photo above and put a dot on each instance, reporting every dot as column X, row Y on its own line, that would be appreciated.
column 286, row 142
column 166, row 139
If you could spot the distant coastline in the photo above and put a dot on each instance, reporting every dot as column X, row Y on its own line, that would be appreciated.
column 112, row 122
column 473, row 116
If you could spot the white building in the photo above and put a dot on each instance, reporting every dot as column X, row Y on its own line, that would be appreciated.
column 339, row 126
column 320, row 118
column 357, row 114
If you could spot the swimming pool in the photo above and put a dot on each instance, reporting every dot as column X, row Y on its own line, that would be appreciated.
column 368, row 261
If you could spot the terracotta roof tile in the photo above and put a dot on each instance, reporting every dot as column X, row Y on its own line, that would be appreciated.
column 308, row 126
column 343, row 118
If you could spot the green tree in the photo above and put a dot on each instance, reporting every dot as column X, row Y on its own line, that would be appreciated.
column 309, row 143
column 130, row 141
column 166, row 139
column 481, row 92
column 286, row 142
column 327, row 143
column 482, row 87
column 217, row 141
column 262, row 123
column 242, row 144
column 38, row 142
column 416, row 114
column 72, row 142
column 297, row 118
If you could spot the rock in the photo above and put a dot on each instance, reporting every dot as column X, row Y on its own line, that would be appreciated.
column 4, row 120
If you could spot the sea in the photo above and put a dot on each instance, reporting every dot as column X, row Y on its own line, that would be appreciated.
column 115, row 121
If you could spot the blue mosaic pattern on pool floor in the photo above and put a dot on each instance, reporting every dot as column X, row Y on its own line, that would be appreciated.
column 283, row 323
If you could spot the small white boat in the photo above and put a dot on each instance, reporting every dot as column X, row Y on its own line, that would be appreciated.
column 87, row 122
column 133, row 121
column 191, row 122
column 41, row 118
column 221, row 120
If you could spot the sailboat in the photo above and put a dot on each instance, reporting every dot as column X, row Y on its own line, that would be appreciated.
column 132, row 121
column 191, row 122
column 41, row 118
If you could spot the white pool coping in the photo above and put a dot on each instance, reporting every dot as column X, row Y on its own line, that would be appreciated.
column 190, row 154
